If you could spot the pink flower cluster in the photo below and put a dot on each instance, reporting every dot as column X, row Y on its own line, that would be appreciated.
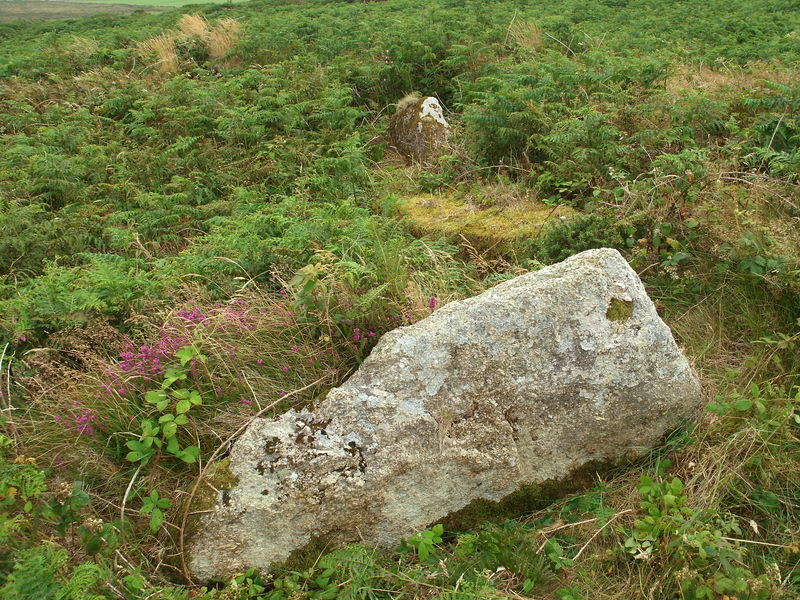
column 358, row 334
column 192, row 317
column 148, row 361
column 79, row 419
column 236, row 316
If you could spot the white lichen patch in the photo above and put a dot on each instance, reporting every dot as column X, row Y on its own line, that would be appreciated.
column 431, row 109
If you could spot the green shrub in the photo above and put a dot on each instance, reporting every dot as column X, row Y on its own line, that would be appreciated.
column 561, row 239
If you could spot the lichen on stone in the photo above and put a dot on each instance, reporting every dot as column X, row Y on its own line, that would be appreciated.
column 418, row 129
column 478, row 408
column 217, row 481
column 619, row 310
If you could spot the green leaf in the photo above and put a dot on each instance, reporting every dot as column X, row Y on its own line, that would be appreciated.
column 743, row 405
column 170, row 429
column 183, row 406
column 155, row 396
column 173, row 447
column 156, row 520
column 136, row 456
column 171, row 376
column 189, row 454
column 149, row 428
column 186, row 354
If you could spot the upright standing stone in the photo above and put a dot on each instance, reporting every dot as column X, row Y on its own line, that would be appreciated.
column 418, row 129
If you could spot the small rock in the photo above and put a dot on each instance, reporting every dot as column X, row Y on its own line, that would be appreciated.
column 418, row 129
column 532, row 380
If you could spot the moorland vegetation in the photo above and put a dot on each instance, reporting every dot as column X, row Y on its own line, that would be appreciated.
column 202, row 221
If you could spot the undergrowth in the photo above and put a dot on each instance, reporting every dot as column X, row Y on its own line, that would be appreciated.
column 200, row 226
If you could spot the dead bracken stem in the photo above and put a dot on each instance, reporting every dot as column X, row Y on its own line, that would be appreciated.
column 596, row 533
column 220, row 448
column 546, row 532
column 125, row 501
column 6, row 398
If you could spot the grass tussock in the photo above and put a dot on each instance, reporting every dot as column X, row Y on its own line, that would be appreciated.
column 526, row 34
column 215, row 40
column 162, row 48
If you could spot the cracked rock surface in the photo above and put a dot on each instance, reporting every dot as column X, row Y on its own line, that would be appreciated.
column 522, row 384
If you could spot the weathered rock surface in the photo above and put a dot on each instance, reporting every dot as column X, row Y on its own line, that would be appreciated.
column 522, row 384
column 418, row 129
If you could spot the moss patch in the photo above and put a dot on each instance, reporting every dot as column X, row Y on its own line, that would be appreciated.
column 619, row 310
column 449, row 216
column 307, row 556
column 527, row 499
column 218, row 477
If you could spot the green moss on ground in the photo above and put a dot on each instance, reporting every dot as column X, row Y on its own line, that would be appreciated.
column 484, row 227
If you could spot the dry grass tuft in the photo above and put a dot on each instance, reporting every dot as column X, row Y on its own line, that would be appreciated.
column 196, row 25
column 526, row 34
column 407, row 100
column 222, row 38
column 83, row 47
column 217, row 39
column 162, row 47
column 721, row 77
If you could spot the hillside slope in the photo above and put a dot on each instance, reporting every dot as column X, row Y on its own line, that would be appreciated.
column 203, row 220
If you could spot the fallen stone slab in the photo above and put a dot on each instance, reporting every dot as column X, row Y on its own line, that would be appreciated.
column 526, row 383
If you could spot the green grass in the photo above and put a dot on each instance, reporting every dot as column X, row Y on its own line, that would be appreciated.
column 32, row 10
column 160, row 3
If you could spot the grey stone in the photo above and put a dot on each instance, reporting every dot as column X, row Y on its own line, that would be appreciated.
column 525, row 383
column 418, row 129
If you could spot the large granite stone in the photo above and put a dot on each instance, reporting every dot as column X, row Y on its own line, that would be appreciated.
column 525, row 383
